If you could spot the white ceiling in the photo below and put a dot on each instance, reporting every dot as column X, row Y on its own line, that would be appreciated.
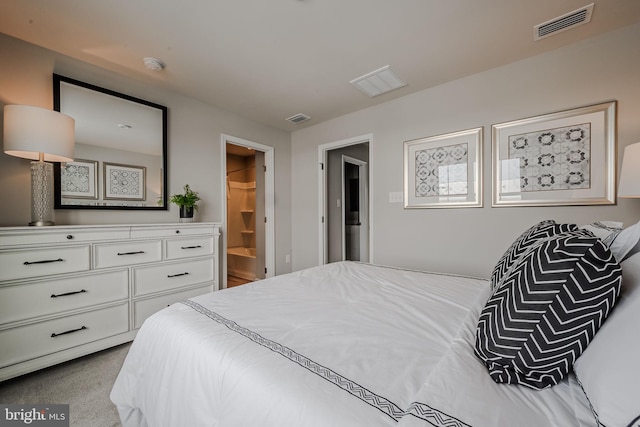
column 270, row 59
column 112, row 122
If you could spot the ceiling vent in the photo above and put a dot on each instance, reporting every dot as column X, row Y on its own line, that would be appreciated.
column 298, row 118
column 563, row 23
column 378, row 82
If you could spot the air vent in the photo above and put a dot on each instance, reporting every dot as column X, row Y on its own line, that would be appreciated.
column 377, row 82
column 563, row 23
column 298, row 118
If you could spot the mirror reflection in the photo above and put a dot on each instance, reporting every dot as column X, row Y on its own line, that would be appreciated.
column 120, row 153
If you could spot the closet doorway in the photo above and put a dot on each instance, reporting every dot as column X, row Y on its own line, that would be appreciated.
column 248, row 229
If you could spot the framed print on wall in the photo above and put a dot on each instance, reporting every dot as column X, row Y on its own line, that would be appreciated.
column 79, row 179
column 124, row 182
column 564, row 158
column 444, row 171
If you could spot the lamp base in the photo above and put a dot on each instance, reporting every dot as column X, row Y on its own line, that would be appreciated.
column 41, row 194
column 41, row 223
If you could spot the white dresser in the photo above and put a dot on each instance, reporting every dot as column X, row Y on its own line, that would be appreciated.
column 67, row 291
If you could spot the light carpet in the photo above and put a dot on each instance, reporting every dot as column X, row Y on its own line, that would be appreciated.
column 83, row 383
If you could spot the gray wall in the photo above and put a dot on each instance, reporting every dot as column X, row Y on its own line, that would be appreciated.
column 470, row 241
column 195, row 152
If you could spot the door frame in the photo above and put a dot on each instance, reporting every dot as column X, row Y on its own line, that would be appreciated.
column 323, row 150
column 269, row 199
column 363, row 196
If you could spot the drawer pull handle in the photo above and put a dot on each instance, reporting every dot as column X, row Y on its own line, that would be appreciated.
column 130, row 253
column 81, row 291
column 69, row 236
column 178, row 275
column 53, row 335
column 45, row 261
column 191, row 247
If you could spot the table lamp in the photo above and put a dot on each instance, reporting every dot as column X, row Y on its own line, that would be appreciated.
column 45, row 136
column 630, row 175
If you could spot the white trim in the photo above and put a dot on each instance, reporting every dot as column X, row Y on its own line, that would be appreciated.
column 322, row 190
column 269, row 197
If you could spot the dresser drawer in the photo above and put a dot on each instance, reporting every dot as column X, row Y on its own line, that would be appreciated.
column 56, row 235
column 38, row 339
column 165, row 277
column 27, row 263
column 44, row 298
column 191, row 247
column 130, row 253
column 164, row 231
column 146, row 307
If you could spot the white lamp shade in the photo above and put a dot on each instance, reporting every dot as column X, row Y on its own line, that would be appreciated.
column 630, row 175
column 29, row 131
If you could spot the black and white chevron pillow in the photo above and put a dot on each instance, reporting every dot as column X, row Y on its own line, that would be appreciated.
column 547, row 309
column 541, row 230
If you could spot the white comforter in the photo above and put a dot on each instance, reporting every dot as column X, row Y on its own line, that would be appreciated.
column 345, row 344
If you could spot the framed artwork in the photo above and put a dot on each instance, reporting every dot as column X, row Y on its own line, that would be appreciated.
column 79, row 179
column 444, row 171
column 564, row 158
column 124, row 182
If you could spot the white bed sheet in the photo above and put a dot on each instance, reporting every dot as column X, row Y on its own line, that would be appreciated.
column 345, row 344
column 460, row 392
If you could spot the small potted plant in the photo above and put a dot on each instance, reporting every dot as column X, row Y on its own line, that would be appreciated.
column 188, row 202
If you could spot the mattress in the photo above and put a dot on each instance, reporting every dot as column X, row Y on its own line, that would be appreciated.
column 343, row 344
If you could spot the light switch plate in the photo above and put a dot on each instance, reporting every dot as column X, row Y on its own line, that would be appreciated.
column 396, row 197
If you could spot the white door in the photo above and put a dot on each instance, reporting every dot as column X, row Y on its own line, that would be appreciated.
column 260, row 216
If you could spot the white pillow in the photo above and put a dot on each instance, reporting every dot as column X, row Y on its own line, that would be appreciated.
column 626, row 243
column 604, row 230
column 609, row 367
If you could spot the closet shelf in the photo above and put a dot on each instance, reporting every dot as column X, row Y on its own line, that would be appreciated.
column 242, row 185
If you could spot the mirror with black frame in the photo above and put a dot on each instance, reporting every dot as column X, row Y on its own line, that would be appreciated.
column 120, row 159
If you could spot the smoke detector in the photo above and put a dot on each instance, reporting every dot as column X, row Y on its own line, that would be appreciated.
column 153, row 64
column 563, row 23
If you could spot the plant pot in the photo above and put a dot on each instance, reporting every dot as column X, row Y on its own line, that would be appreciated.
column 186, row 213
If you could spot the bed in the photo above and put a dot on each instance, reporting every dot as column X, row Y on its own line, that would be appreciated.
column 343, row 344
